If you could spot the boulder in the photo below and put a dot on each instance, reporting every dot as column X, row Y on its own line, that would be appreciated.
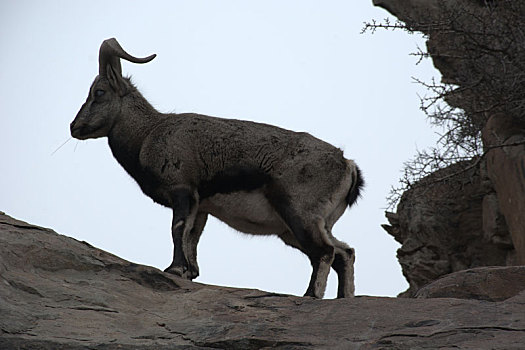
column 446, row 224
column 495, row 283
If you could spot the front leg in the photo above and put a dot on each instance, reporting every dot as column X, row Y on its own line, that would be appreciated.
column 191, row 241
column 184, row 204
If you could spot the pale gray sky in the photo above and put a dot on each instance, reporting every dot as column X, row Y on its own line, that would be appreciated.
column 301, row 65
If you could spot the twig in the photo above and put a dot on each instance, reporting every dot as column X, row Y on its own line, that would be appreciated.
column 478, row 160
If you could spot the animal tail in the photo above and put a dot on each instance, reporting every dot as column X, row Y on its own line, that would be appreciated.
column 357, row 184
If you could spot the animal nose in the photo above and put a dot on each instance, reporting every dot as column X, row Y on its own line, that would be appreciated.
column 72, row 127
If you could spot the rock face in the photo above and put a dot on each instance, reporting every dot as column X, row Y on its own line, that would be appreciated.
column 475, row 46
column 59, row 293
column 506, row 170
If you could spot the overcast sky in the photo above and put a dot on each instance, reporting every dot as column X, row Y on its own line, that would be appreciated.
column 301, row 65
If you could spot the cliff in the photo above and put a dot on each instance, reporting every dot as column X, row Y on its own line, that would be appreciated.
column 476, row 219
column 59, row 293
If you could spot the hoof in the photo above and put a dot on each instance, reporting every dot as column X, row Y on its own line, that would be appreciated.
column 312, row 294
column 192, row 274
column 176, row 270
column 183, row 271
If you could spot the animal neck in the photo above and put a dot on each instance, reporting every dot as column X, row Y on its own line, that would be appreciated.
column 135, row 122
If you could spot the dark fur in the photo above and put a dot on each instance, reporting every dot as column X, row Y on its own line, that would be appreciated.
column 258, row 178
column 355, row 191
column 234, row 180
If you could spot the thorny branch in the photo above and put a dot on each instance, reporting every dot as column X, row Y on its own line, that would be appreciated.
column 474, row 162
column 479, row 49
column 374, row 25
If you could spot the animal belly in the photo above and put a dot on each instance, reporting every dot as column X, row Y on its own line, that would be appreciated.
column 248, row 212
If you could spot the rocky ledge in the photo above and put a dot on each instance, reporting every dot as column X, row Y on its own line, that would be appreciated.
column 59, row 293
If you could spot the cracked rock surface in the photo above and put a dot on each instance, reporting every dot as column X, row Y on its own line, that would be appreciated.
column 59, row 293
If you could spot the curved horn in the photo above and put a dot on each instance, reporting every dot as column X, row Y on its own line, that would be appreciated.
column 111, row 52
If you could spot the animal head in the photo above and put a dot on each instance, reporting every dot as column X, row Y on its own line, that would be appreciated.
column 103, row 104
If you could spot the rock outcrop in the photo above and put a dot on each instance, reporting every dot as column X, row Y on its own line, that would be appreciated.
column 477, row 47
column 441, row 228
column 59, row 293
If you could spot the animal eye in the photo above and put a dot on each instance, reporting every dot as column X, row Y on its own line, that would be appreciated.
column 99, row 93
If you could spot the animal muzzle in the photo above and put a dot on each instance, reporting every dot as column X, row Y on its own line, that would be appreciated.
column 79, row 130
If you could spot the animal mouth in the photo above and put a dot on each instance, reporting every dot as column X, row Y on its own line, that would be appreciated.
column 82, row 132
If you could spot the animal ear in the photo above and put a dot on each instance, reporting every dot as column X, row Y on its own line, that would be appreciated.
column 116, row 81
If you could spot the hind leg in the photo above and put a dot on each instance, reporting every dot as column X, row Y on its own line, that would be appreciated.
column 312, row 241
column 321, row 255
column 320, row 270
column 343, row 264
column 344, row 259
